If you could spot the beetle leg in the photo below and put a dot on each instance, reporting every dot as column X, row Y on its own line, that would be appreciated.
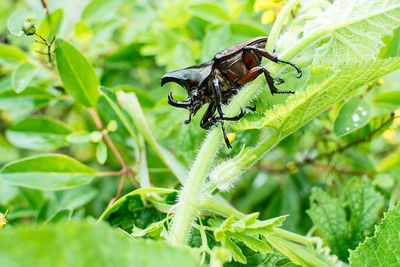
column 219, row 108
column 208, row 119
column 272, row 57
column 234, row 118
column 254, row 72
column 252, row 108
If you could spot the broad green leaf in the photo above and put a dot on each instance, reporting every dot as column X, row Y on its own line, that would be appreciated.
column 7, row 151
column 60, row 216
column 77, row 74
column 352, row 115
column 391, row 98
column 355, row 30
column 326, row 87
column 22, row 76
column 11, row 53
column 391, row 162
column 51, row 25
column 329, row 217
column 47, row 172
column 101, row 152
column 209, row 12
column 383, row 249
column 130, row 102
column 38, row 133
column 77, row 197
column 86, row 244
column 142, row 191
column 30, row 99
column 365, row 206
column 100, row 10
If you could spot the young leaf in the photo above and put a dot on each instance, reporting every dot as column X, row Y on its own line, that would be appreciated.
column 101, row 152
column 355, row 29
column 38, row 133
column 85, row 244
column 47, row 172
column 329, row 217
column 352, row 115
column 11, row 53
column 77, row 74
column 383, row 249
column 391, row 162
column 22, row 76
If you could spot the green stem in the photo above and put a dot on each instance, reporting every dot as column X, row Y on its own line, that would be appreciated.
column 278, row 24
column 187, row 207
column 188, row 204
column 208, row 203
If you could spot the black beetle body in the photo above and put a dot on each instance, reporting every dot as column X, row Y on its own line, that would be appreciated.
column 216, row 81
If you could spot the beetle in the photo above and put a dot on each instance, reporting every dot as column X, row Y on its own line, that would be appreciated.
column 216, row 81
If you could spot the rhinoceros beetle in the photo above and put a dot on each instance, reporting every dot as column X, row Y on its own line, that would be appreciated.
column 216, row 81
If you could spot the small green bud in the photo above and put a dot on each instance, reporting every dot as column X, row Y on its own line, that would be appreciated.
column 96, row 136
column 112, row 126
column 28, row 28
column 226, row 174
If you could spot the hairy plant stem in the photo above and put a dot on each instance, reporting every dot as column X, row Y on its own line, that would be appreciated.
column 188, row 204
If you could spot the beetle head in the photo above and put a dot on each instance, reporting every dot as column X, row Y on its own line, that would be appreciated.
column 192, row 79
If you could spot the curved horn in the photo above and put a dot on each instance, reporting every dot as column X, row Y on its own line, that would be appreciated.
column 179, row 104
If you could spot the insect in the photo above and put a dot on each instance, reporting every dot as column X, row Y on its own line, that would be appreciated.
column 216, row 81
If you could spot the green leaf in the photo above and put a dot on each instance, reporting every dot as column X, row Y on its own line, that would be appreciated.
column 22, row 76
column 209, row 12
column 135, row 111
column 50, row 25
column 352, row 115
column 38, row 133
column 17, row 19
column 326, row 87
column 77, row 197
column 85, row 244
column 101, row 153
column 391, row 162
column 142, row 191
column 100, row 10
column 296, row 254
column 29, row 99
column 47, row 172
column 355, row 35
column 383, row 249
column 11, row 53
column 365, row 205
column 236, row 252
column 77, row 74
column 329, row 217
column 391, row 98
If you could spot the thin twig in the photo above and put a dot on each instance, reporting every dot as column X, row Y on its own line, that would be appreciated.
column 125, row 169
column 44, row 4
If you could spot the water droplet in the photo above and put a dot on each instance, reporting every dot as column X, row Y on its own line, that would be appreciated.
column 360, row 108
column 364, row 113
column 355, row 117
column 355, row 124
column 347, row 129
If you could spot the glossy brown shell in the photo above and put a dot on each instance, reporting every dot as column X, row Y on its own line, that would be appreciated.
column 238, row 47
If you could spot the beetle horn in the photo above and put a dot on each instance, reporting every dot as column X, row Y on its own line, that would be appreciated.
column 179, row 104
